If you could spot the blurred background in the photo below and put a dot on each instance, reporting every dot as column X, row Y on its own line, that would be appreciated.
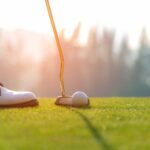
column 105, row 43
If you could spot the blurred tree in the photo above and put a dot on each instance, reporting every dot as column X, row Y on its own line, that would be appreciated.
column 107, row 48
column 124, row 52
column 94, row 72
column 140, row 81
column 123, row 70
column 143, row 39
column 76, row 35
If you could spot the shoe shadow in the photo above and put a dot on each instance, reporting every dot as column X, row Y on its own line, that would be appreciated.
column 102, row 143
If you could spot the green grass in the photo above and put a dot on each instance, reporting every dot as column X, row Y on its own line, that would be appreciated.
column 110, row 123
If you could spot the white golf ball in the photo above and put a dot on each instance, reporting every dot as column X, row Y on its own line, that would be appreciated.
column 79, row 98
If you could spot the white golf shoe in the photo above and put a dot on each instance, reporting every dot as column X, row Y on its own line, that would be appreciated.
column 9, row 98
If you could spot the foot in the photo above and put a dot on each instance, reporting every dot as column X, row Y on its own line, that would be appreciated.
column 9, row 98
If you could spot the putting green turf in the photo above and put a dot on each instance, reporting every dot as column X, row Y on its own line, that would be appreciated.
column 110, row 123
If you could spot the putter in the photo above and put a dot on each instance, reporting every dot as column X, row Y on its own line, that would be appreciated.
column 79, row 98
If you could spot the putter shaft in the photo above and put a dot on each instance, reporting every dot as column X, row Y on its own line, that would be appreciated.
column 62, row 87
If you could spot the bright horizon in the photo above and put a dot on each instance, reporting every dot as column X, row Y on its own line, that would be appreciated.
column 125, row 17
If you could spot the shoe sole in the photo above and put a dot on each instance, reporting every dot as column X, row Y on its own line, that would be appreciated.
column 31, row 103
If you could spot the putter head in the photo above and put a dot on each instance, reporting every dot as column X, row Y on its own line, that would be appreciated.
column 68, row 101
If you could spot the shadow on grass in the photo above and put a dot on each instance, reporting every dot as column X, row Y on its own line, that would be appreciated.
column 103, row 144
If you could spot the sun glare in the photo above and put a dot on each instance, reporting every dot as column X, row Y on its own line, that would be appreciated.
column 126, row 17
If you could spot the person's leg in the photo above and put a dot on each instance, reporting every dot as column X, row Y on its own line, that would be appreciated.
column 9, row 98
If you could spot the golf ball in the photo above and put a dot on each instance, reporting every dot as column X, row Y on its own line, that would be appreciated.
column 79, row 98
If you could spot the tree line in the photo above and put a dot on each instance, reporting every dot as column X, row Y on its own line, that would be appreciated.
column 95, row 67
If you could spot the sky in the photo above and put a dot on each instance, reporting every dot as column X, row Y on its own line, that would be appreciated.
column 126, row 17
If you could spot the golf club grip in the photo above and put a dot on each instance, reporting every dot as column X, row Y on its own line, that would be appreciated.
column 58, row 46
